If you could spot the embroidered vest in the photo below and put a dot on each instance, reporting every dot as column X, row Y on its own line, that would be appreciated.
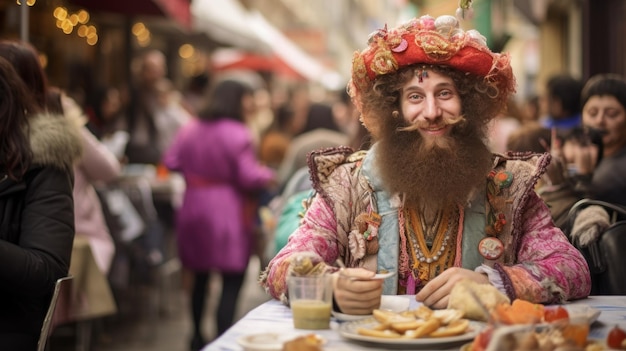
column 351, row 186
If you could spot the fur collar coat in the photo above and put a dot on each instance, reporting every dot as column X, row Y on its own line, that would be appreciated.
column 36, row 230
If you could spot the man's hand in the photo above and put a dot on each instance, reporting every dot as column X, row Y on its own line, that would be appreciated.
column 437, row 291
column 355, row 293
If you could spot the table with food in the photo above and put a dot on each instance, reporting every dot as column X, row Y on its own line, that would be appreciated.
column 478, row 318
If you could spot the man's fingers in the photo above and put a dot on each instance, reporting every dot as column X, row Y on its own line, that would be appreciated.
column 356, row 273
column 441, row 303
column 358, row 297
column 358, row 304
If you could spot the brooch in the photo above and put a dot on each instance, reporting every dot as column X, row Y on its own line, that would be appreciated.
column 491, row 248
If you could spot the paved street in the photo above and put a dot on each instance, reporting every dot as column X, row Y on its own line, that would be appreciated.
column 163, row 329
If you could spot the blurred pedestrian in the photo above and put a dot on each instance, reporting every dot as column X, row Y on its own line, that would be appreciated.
column 96, row 163
column 313, row 127
column 530, row 110
column 154, row 112
column 216, row 224
column 604, row 109
column 562, row 100
column 36, row 207
column 501, row 127
column 97, row 166
column 196, row 92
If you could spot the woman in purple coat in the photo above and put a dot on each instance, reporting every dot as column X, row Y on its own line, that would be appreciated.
column 215, row 225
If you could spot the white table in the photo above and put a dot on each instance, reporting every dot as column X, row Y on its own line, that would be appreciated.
column 275, row 317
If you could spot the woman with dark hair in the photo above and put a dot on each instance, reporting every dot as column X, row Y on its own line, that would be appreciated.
column 24, row 59
column 36, row 209
column 215, row 225
column 604, row 110
column 104, row 110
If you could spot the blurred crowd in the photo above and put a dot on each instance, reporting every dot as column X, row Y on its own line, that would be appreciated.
column 231, row 151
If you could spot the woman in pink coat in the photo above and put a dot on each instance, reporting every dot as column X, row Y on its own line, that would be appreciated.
column 215, row 225
column 97, row 166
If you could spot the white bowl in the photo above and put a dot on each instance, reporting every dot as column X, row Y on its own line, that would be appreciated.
column 272, row 341
column 263, row 341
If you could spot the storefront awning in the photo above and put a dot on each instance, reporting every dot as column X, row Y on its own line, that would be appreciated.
column 224, row 59
column 177, row 10
column 226, row 21
column 288, row 52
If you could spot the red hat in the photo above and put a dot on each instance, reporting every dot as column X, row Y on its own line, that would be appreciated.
column 429, row 41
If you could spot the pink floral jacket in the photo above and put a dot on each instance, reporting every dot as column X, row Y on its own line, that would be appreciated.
column 539, row 264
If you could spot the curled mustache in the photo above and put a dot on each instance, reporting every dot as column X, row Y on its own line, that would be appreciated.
column 426, row 125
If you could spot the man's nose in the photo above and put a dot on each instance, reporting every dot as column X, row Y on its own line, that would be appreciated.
column 431, row 109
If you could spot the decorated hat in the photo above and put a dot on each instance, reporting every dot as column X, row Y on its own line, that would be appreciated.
column 429, row 41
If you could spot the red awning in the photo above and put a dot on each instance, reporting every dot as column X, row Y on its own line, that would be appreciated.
column 229, row 59
column 178, row 10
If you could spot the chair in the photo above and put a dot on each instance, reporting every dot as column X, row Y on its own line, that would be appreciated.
column 604, row 255
column 46, row 329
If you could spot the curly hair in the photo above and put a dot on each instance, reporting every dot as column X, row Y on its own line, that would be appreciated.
column 480, row 99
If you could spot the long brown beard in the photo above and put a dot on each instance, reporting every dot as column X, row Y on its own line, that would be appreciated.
column 435, row 174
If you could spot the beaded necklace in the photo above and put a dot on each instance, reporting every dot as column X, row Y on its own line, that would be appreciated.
column 426, row 261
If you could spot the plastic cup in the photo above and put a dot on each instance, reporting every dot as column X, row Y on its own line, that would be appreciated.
column 310, row 298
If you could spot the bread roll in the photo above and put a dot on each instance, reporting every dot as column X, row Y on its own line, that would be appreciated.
column 489, row 296
column 310, row 342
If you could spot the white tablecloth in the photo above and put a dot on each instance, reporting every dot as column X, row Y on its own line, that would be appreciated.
column 274, row 317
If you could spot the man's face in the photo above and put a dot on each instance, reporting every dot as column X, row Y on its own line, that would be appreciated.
column 153, row 69
column 430, row 152
column 429, row 104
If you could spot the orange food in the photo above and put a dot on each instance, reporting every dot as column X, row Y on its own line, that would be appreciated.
column 577, row 333
column 552, row 314
column 481, row 341
column 310, row 342
column 519, row 312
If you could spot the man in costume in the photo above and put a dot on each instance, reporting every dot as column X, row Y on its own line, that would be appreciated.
column 429, row 200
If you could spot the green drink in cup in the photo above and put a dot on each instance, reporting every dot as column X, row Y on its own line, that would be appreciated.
column 310, row 298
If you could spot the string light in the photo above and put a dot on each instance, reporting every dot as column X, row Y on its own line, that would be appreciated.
column 28, row 2
column 68, row 21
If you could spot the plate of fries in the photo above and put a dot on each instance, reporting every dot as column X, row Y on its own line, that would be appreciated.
column 421, row 326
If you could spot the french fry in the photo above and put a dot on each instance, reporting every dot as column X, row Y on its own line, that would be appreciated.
column 457, row 327
column 382, row 326
column 430, row 326
column 447, row 316
column 383, row 316
column 402, row 327
column 387, row 333
column 423, row 312
column 419, row 323
column 408, row 314
column 387, row 317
